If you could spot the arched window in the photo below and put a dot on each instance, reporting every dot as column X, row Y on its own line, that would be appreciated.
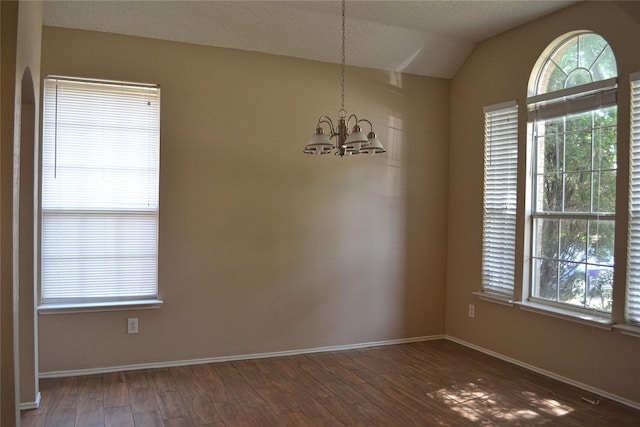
column 575, row 59
column 573, row 117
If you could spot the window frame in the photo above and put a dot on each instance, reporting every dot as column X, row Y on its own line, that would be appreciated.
column 127, row 294
column 557, row 104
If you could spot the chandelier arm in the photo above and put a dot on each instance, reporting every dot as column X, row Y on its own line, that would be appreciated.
column 366, row 121
column 355, row 118
column 327, row 120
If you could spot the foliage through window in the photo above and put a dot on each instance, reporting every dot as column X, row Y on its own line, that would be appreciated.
column 100, row 168
column 577, row 60
column 574, row 152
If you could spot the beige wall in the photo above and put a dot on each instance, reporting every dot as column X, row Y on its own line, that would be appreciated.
column 262, row 248
column 21, row 30
column 8, row 39
column 497, row 71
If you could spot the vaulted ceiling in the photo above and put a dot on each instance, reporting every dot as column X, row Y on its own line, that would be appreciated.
column 429, row 38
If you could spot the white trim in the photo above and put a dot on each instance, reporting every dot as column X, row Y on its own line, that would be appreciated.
column 99, row 306
column 587, row 102
column 25, row 406
column 630, row 330
column 494, row 298
column 564, row 314
column 552, row 375
column 104, row 370
column 572, row 91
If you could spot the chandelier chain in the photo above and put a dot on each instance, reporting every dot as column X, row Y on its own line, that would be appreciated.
column 346, row 142
column 343, row 54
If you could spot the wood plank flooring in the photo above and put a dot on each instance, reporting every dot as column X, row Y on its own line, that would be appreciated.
column 433, row 383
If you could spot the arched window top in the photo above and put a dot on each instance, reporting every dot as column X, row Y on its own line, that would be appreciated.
column 572, row 60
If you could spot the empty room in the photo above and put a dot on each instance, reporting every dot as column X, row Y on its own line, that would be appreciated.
column 300, row 213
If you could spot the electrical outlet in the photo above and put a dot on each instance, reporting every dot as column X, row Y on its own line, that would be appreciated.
column 472, row 310
column 132, row 325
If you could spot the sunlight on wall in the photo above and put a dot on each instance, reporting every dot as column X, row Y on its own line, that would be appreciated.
column 395, row 79
column 394, row 141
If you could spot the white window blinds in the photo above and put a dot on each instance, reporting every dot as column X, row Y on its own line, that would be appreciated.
column 100, row 170
column 499, row 198
column 633, row 254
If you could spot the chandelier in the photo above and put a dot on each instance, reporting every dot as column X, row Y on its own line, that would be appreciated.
column 346, row 142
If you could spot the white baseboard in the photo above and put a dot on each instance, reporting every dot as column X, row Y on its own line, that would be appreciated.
column 24, row 406
column 104, row 370
column 549, row 374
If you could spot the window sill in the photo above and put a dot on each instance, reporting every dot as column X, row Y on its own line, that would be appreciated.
column 572, row 316
column 632, row 331
column 494, row 298
column 99, row 306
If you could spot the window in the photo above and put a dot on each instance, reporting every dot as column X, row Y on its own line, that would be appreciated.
column 499, row 198
column 100, row 169
column 633, row 254
column 573, row 117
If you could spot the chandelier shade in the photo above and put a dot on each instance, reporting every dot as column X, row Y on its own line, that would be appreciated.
column 356, row 136
column 374, row 146
column 319, row 143
column 347, row 142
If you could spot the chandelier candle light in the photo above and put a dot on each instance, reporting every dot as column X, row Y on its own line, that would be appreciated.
column 346, row 143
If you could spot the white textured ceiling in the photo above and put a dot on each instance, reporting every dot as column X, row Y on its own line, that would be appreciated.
column 429, row 38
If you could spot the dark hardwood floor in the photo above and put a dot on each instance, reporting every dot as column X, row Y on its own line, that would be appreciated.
column 421, row 384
